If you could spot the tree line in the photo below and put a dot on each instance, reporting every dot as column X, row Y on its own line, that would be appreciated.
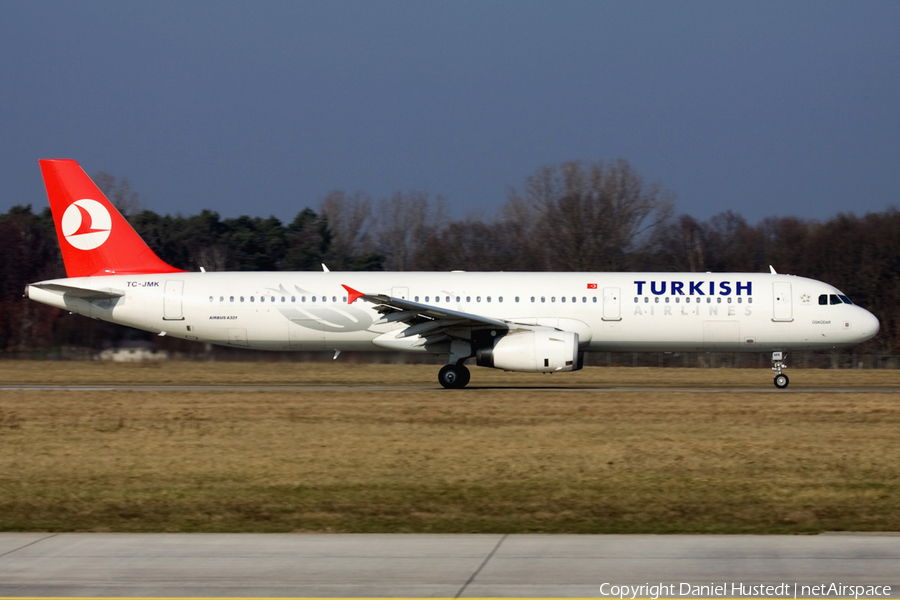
column 570, row 217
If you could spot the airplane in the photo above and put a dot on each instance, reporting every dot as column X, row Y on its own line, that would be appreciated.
column 526, row 322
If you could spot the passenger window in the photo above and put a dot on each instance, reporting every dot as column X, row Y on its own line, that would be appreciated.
column 488, row 298
column 313, row 298
column 574, row 299
column 719, row 300
column 468, row 298
column 324, row 299
column 553, row 299
column 448, row 298
column 242, row 298
column 823, row 300
column 210, row 298
column 562, row 299
column 272, row 298
column 584, row 298
column 646, row 299
column 344, row 299
column 729, row 299
column 252, row 298
column 416, row 298
column 457, row 298
column 500, row 299
column 426, row 298
column 293, row 298
column 302, row 298
column 749, row 300
column 667, row 299
column 656, row 299
column 261, row 299
column 231, row 298
column 595, row 299
column 677, row 299
column 636, row 299
column 543, row 299
column 517, row 298
column 221, row 298
column 478, row 299
column 835, row 299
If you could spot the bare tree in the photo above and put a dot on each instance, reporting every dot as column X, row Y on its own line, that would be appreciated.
column 119, row 192
column 579, row 217
column 350, row 221
column 404, row 224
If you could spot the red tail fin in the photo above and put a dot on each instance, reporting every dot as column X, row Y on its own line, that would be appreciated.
column 94, row 238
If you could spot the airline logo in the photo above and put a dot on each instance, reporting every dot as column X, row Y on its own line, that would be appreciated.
column 592, row 286
column 86, row 224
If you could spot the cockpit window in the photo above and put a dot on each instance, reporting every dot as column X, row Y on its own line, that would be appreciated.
column 823, row 299
column 835, row 299
column 844, row 299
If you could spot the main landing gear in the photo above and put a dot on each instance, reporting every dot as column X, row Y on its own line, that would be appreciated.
column 781, row 380
column 454, row 377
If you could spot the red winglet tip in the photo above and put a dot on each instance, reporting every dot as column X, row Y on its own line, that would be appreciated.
column 352, row 295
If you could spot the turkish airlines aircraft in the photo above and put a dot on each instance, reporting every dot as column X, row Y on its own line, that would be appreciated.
column 529, row 322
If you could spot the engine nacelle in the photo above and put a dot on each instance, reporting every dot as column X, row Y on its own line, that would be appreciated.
column 537, row 350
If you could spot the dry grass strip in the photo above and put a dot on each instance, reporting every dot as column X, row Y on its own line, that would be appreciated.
column 483, row 460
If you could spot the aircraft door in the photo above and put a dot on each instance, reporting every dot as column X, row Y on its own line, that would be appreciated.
column 781, row 302
column 612, row 304
column 172, row 302
column 400, row 292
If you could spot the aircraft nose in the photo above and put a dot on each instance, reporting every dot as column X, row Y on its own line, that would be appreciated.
column 868, row 325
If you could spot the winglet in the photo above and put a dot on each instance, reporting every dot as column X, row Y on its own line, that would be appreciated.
column 772, row 270
column 352, row 295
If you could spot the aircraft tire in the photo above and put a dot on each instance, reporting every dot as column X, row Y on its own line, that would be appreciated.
column 781, row 381
column 464, row 376
column 452, row 377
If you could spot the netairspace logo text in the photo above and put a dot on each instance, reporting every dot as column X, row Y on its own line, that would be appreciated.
column 713, row 590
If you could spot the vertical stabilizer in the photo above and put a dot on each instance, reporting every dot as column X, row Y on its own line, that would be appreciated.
column 94, row 238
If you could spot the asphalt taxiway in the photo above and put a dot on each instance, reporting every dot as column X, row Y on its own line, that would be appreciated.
column 422, row 565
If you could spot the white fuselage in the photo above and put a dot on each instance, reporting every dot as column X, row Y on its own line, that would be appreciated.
column 609, row 311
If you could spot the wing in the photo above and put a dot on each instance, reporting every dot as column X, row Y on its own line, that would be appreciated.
column 434, row 323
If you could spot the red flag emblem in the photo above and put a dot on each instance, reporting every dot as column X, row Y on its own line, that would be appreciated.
column 592, row 286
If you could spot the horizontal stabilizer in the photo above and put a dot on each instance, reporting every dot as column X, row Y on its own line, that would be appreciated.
column 80, row 292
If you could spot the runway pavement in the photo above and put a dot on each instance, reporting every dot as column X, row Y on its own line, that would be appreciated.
column 420, row 565
column 413, row 388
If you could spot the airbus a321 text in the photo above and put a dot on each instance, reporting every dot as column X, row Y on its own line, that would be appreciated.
column 529, row 322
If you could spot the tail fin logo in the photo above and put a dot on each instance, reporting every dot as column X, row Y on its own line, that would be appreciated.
column 86, row 224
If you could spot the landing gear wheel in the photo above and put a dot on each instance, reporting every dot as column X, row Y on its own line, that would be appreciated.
column 464, row 376
column 781, row 381
column 453, row 377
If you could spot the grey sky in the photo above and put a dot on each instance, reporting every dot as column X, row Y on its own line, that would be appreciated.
column 763, row 108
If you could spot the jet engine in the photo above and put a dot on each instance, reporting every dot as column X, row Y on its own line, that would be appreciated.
column 533, row 350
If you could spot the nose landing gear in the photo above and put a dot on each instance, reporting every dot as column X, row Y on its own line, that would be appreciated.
column 781, row 380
